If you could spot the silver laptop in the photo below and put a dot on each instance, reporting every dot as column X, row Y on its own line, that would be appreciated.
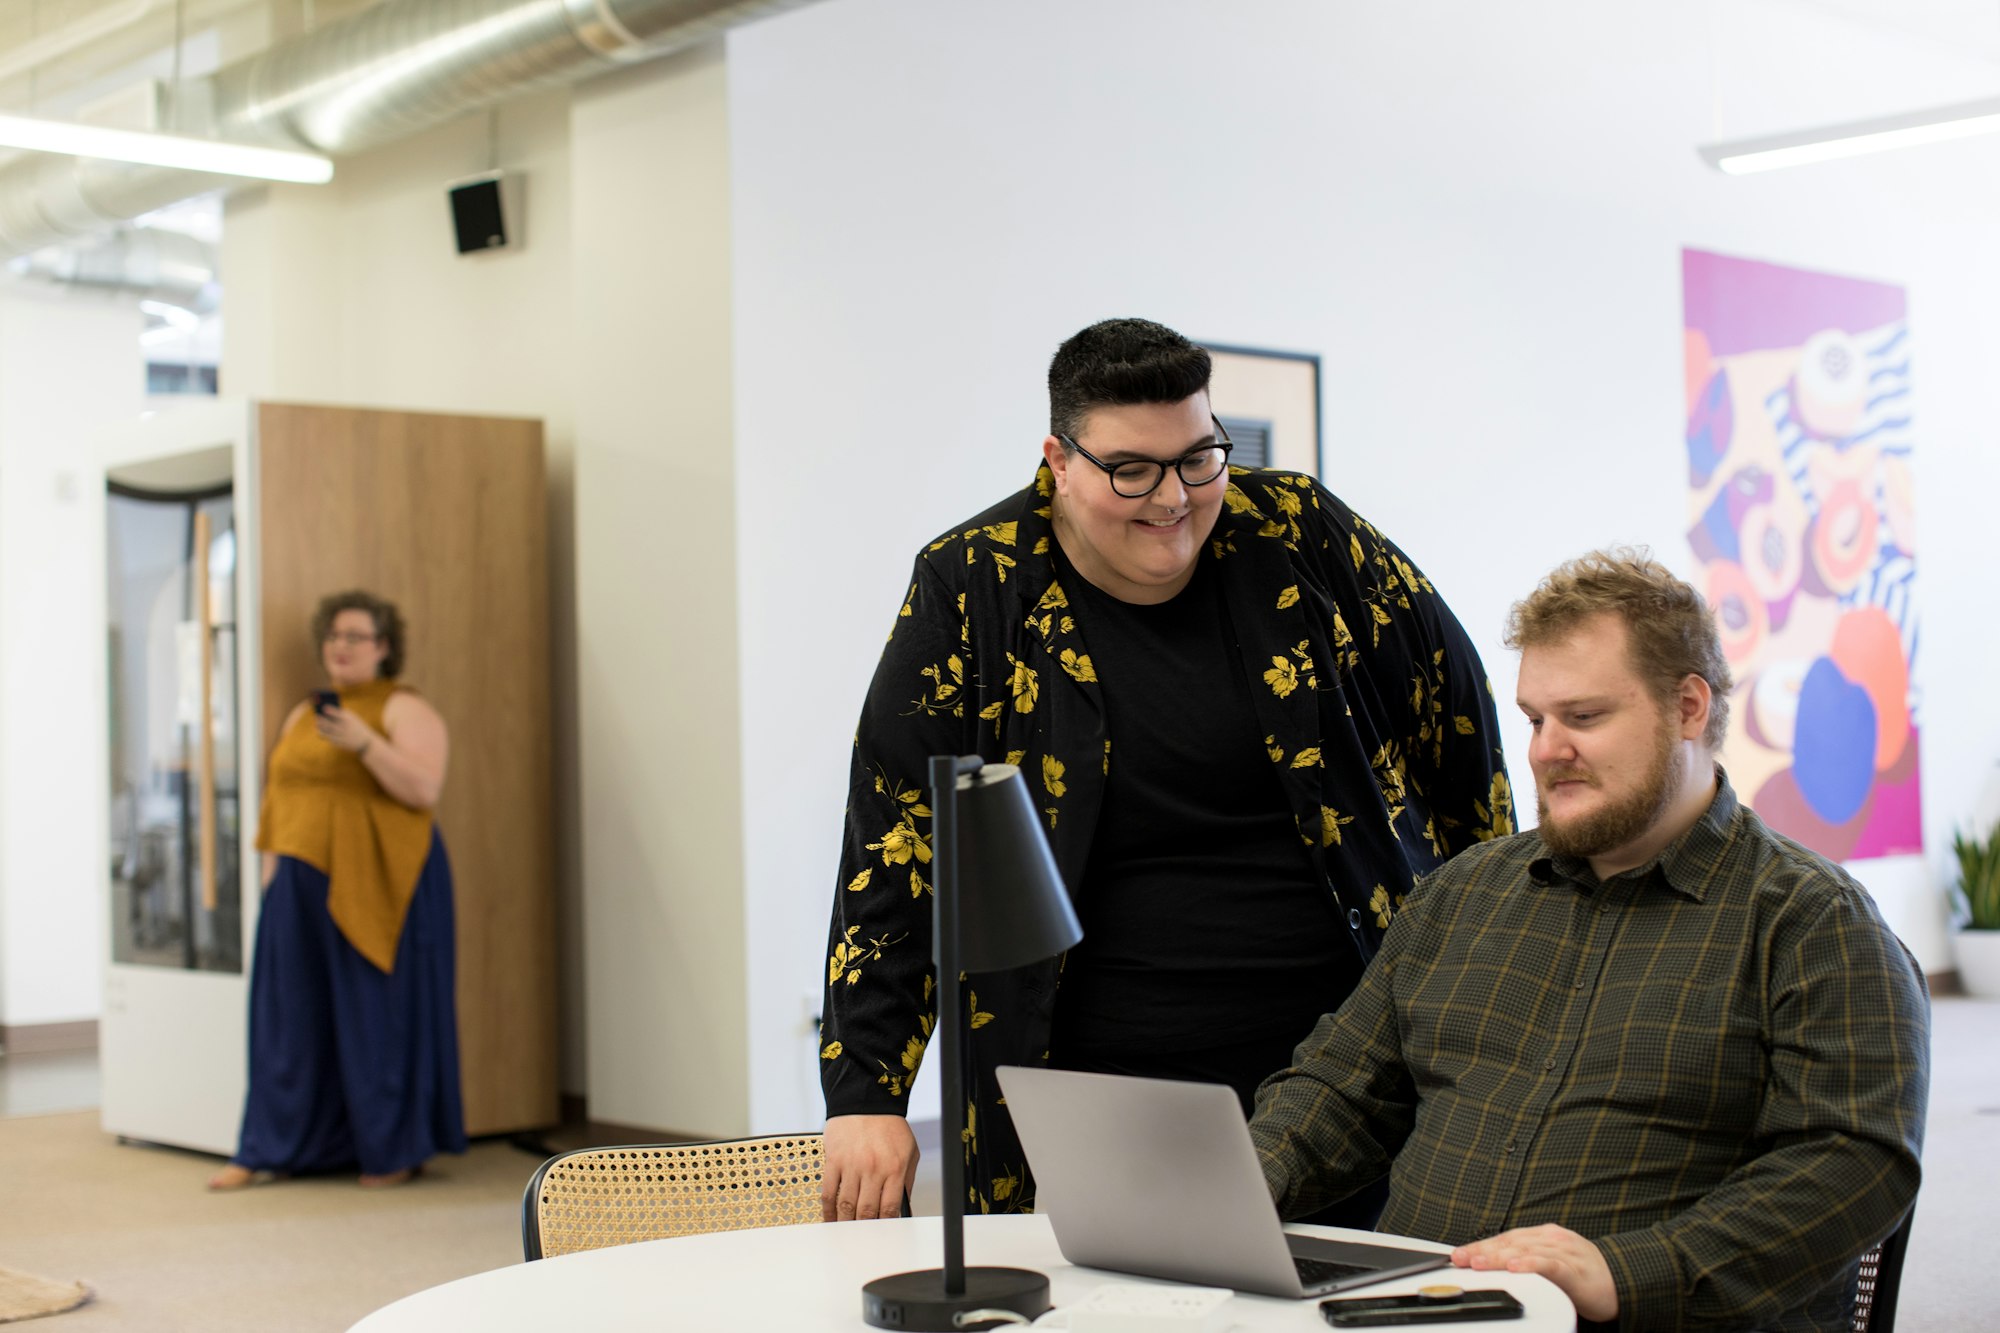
column 1159, row 1178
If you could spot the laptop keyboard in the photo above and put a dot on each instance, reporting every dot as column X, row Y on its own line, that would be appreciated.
column 1313, row 1271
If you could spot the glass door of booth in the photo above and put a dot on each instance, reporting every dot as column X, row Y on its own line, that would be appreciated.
column 176, row 813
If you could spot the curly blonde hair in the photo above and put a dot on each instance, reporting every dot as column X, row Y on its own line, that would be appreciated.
column 1670, row 628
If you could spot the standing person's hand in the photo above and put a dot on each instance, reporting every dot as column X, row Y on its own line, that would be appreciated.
column 871, row 1162
column 342, row 728
column 1558, row 1254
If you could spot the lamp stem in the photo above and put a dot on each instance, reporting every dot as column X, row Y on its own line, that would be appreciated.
column 945, row 770
column 950, row 1296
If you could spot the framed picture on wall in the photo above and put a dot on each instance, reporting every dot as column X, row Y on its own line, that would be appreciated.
column 1268, row 401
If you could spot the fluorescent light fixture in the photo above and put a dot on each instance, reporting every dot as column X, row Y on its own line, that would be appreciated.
column 1854, row 138
column 180, row 317
column 164, row 150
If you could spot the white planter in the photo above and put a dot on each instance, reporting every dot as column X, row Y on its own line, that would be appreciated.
column 1977, row 955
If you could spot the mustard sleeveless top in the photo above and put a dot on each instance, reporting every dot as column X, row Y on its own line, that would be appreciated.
column 323, row 807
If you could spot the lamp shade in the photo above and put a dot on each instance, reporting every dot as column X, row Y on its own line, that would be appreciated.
column 1012, row 907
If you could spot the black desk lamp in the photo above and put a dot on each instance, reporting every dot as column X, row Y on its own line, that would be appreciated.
column 1000, row 903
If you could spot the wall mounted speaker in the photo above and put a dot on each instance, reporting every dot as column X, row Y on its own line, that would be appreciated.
column 480, row 212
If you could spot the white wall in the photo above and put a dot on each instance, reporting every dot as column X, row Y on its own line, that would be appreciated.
column 1473, row 212
column 658, row 664
column 66, row 366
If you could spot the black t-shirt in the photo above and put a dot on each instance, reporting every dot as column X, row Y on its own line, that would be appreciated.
column 1209, row 947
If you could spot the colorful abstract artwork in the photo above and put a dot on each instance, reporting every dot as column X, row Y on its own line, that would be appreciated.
column 1801, row 514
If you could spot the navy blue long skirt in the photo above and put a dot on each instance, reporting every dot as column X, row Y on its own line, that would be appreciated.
column 351, row 1069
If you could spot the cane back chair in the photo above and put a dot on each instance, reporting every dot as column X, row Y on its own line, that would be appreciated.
column 1881, row 1277
column 594, row 1197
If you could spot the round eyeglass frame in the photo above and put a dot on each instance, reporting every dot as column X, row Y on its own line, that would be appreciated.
column 1179, row 465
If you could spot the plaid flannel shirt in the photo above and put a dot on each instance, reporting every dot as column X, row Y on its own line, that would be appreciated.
column 1715, row 1067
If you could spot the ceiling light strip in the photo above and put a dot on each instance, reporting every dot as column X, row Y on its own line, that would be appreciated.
column 164, row 150
column 1855, row 138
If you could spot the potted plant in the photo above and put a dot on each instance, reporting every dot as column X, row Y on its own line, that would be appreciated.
column 1976, row 947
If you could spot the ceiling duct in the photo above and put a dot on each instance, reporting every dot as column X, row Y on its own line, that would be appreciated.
column 387, row 72
column 152, row 263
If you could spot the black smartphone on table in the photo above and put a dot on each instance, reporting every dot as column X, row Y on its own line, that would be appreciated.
column 1434, row 1305
column 325, row 699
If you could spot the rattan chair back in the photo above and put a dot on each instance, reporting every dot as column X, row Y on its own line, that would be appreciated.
column 594, row 1197
column 1881, row 1278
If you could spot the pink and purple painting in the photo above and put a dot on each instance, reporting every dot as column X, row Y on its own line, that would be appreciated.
column 1801, row 514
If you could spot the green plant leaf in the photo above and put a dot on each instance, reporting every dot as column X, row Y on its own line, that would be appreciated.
column 1978, row 889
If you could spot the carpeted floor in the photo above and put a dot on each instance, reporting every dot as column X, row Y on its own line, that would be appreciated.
column 163, row 1255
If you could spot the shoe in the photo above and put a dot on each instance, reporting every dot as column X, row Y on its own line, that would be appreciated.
column 391, row 1178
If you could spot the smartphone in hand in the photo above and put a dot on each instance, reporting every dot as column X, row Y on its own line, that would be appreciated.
column 1433, row 1305
column 325, row 699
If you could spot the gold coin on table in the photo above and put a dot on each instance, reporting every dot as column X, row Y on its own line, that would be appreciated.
column 1441, row 1291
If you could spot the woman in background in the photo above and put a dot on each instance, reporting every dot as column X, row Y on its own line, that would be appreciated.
column 353, row 1024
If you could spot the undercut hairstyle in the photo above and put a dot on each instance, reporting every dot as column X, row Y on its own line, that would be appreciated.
column 388, row 624
column 1670, row 628
column 1119, row 362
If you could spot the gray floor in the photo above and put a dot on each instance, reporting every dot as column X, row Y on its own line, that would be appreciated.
column 42, row 1084
column 1942, row 1287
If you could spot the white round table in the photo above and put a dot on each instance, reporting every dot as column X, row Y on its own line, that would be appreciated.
column 809, row 1278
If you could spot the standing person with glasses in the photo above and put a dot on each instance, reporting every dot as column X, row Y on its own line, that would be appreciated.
column 1249, row 721
column 353, row 1020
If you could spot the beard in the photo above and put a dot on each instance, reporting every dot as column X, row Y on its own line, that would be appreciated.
column 1622, row 821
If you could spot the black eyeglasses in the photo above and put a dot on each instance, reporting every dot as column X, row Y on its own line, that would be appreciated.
column 1140, row 477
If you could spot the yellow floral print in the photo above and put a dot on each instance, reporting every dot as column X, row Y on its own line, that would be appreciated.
column 1391, row 776
column 900, row 843
column 1380, row 904
column 1024, row 683
column 942, row 695
column 1496, row 817
column 1283, row 677
column 848, row 956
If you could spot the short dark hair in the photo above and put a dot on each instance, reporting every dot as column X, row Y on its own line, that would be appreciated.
column 1671, row 631
column 1117, row 362
column 388, row 624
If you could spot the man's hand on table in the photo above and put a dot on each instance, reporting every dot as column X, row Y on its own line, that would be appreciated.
column 871, row 1163
column 1558, row 1254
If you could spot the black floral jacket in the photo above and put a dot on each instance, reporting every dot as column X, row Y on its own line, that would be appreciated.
column 1376, row 711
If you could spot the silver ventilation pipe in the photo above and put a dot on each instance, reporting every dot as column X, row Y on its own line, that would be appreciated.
column 389, row 71
column 150, row 263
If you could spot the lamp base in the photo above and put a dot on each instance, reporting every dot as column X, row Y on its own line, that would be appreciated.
column 918, row 1300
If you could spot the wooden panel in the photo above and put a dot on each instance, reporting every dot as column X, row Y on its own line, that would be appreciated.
column 445, row 516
